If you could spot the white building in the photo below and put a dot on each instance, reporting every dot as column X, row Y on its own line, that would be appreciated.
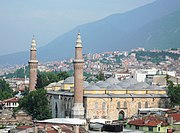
column 144, row 75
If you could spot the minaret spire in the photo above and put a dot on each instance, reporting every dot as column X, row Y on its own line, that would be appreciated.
column 78, row 109
column 33, row 64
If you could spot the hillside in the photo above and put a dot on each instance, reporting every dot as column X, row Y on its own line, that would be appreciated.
column 162, row 33
column 115, row 32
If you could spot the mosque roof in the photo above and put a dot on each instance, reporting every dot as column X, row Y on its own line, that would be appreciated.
column 102, row 84
column 69, row 80
column 138, row 86
column 85, row 83
column 126, row 95
column 131, row 81
column 155, row 88
column 52, row 84
column 112, row 80
column 114, row 87
column 123, row 84
column 92, row 87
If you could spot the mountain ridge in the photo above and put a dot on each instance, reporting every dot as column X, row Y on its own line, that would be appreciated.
column 115, row 32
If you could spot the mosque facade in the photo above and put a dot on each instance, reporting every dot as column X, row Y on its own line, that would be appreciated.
column 109, row 99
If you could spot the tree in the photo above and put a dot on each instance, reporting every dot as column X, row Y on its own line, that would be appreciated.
column 63, row 75
column 100, row 76
column 45, row 78
column 36, row 104
column 173, row 92
column 5, row 91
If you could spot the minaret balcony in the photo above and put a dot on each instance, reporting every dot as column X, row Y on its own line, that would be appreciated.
column 78, row 60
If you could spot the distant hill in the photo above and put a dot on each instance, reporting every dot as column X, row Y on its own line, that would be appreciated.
column 162, row 33
column 143, row 26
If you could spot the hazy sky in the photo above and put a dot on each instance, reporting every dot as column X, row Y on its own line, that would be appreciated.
column 47, row 19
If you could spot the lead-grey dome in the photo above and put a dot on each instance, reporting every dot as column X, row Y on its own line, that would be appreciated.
column 155, row 88
column 69, row 80
column 143, row 85
column 52, row 84
column 139, row 86
column 131, row 81
column 102, row 84
column 123, row 84
column 92, row 87
column 114, row 87
column 112, row 80
column 85, row 84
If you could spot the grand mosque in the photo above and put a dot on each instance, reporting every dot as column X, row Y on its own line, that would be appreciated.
column 109, row 99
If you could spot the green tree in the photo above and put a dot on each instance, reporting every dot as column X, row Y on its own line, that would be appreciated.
column 5, row 91
column 100, row 76
column 36, row 104
column 63, row 75
column 173, row 92
column 45, row 78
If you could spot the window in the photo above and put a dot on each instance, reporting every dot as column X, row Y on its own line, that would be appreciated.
column 96, row 105
column 118, row 104
column 125, row 104
column 150, row 128
column 139, row 105
column 103, row 105
column 137, row 127
column 146, row 104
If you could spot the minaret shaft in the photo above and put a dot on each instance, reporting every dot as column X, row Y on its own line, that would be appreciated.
column 33, row 64
column 78, row 109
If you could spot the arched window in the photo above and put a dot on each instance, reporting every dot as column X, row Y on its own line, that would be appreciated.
column 118, row 104
column 103, row 105
column 96, row 105
column 146, row 104
column 56, row 110
column 125, row 104
column 139, row 105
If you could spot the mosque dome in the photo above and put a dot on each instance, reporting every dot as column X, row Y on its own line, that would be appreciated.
column 85, row 84
column 69, row 80
column 102, row 84
column 112, row 80
column 52, row 84
column 92, row 87
column 123, row 84
column 138, row 86
column 114, row 87
column 131, row 81
column 155, row 88
column 143, row 85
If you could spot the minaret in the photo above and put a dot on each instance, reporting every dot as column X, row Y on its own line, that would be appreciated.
column 78, row 109
column 33, row 64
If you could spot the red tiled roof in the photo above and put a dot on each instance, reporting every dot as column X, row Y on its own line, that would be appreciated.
column 13, row 99
column 52, row 131
column 23, row 127
column 175, row 116
column 66, row 129
column 148, row 121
